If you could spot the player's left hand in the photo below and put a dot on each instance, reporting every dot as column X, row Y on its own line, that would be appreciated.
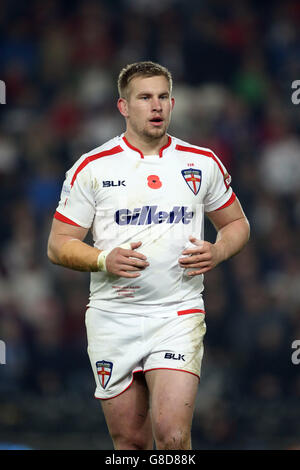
column 204, row 256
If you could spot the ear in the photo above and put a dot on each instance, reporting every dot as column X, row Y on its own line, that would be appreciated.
column 172, row 103
column 122, row 107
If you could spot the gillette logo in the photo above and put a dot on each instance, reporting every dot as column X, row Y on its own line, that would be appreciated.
column 147, row 215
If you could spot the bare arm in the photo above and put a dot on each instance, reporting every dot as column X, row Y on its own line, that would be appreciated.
column 66, row 247
column 233, row 233
column 233, row 229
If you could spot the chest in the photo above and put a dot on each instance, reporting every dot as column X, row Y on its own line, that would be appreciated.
column 151, row 181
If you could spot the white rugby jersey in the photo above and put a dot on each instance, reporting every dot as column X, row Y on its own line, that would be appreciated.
column 160, row 200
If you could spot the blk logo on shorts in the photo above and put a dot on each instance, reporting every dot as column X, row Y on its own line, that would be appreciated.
column 192, row 178
column 175, row 357
column 104, row 370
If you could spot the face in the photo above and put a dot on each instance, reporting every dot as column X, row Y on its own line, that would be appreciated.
column 148, row 106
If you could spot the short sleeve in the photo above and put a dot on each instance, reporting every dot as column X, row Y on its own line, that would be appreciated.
column 76, row 205
column 219, row 192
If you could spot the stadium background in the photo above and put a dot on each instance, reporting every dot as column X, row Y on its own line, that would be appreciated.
column 233, row 64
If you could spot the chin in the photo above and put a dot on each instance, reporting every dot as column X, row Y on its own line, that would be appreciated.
column 155, row 133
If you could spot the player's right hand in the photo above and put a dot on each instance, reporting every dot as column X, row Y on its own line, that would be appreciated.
column 126, row 262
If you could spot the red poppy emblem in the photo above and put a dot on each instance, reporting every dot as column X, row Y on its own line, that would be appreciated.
column 154, row 182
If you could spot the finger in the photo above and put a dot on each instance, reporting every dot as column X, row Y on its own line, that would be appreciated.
column 191, row 251
column 130, row 247
column 195, row 240
column 127, row 267
column 195, row 259
column 134, row 262
column 135, row 245
column 126, row 274
column 199, row 271
column 202, row 265
column 199, row 249
column 133, row 254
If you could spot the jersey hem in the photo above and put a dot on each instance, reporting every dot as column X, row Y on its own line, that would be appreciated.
column 149, row 311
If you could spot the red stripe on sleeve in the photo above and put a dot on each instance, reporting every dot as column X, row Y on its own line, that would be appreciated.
column 64, row 219
column 90, row 159
column 228, row 203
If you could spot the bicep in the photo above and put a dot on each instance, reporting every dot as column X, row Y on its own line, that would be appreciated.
column 222, row 217
column 59, row 229
column 62, row 232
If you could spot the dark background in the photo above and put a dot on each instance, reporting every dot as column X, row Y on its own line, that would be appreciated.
column 233, row 65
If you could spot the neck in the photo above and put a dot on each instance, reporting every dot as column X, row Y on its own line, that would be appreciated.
column 148, row 146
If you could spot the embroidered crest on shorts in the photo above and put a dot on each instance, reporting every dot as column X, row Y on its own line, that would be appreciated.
column 104, row 370
column 193, row 179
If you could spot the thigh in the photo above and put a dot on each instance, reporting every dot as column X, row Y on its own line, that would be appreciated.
column 172, row 371
column 128, row 417
column 172, row 397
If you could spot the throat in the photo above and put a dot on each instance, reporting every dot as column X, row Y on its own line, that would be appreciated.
column 147, row 144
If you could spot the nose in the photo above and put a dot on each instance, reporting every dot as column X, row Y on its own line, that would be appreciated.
column 156, row 104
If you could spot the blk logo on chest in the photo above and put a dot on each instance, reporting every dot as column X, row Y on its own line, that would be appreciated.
column 111, row 183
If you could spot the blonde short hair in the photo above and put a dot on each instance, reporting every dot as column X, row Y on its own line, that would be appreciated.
column 141, row 69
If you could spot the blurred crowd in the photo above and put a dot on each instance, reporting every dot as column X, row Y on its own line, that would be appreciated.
column 233, row 65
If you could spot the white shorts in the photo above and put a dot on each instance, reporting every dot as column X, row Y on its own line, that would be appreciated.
column 120, row 345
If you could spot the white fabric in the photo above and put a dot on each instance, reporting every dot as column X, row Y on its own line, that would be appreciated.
column 120, row 345
column 126, row 198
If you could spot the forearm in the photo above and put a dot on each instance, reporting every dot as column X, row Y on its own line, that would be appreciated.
column 74, row 254
column 232, row 238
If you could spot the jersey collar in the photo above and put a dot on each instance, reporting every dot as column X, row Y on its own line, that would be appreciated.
column 141, row 154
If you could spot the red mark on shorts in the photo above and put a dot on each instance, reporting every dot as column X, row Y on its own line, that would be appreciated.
column 154, row 182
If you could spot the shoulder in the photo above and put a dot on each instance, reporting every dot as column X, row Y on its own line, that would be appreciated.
column 84, row 164
column 187, row 147
column 108, row 149
column 206, row 153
